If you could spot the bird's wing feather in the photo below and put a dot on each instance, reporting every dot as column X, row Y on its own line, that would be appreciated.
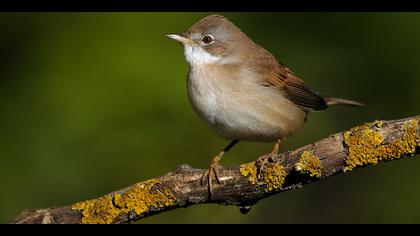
column 296, row 90
column 278, row 75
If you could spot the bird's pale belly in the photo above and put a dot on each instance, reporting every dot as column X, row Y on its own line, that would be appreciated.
column 244, row 112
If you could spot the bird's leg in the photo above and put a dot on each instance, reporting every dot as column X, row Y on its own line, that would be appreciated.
column 214, row 167
column 269, row 158
column 275, row 150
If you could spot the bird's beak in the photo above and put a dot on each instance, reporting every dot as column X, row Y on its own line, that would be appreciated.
column 181, row 39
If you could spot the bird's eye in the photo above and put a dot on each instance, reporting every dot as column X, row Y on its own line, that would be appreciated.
column 207, row 39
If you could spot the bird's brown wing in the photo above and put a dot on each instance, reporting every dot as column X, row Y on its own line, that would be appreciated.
column 296, row 90
column 278, row 75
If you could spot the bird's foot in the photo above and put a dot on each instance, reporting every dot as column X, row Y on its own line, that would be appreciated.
column 269, row 158
column 264, row 160
column 213, row 168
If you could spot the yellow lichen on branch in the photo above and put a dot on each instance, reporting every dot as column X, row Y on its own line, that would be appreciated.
column 309, row 164
column 97, row 211
column 136, row 199
column 364, row 144
column 249, row 170
column 272, row 175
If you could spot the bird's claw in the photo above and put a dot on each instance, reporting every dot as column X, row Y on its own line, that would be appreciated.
column 213, row 168
column 266, row 159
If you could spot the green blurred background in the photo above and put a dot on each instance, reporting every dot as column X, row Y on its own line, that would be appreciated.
column 93, row 102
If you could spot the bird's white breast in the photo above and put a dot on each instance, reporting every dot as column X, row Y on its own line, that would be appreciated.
column 235, row 106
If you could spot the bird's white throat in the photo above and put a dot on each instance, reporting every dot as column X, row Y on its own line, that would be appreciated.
column 198, row 56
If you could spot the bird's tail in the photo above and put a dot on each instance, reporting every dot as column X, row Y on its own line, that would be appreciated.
column 338, row 101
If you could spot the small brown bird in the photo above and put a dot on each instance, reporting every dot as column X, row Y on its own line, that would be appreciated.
column 241, row 91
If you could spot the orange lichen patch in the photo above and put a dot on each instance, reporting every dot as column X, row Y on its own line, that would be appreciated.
column 309, row 164
column 365, row 144
column 137, row 199
column 272, row 175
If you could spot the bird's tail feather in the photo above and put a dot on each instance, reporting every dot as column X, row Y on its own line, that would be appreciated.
column 338, row 101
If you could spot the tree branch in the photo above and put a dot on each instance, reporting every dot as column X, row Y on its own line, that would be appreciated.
column 244, row 185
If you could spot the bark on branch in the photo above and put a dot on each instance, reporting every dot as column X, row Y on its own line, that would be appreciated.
column 246, row 184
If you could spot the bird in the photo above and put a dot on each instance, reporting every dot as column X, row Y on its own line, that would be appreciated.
column 241, row 91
